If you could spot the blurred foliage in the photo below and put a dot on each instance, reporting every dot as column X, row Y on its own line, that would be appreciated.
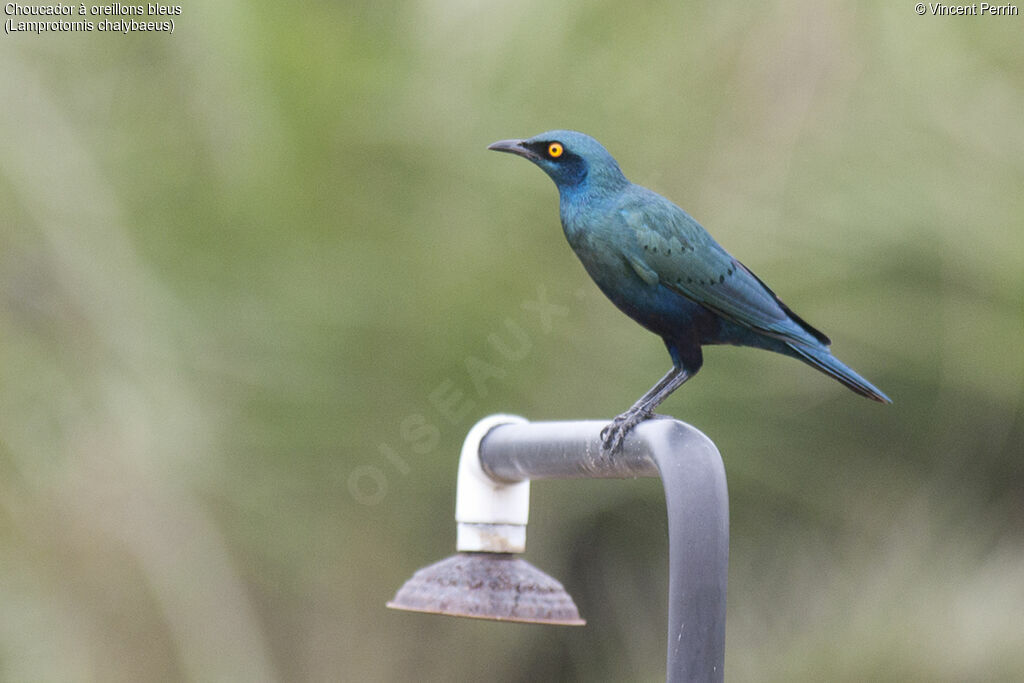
column 243, row 268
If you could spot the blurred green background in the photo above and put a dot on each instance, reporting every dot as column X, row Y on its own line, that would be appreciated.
column 246, row 270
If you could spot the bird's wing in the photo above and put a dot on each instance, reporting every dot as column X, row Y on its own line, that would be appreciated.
column 672, row 247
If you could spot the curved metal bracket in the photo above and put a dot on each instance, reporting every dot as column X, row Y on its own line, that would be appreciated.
column 696, row 496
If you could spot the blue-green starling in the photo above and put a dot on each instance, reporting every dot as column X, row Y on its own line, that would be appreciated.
column 661, row 268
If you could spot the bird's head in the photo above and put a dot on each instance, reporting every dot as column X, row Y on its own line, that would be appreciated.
column 571, row 159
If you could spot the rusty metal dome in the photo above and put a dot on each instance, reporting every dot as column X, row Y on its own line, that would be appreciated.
column 496, row 586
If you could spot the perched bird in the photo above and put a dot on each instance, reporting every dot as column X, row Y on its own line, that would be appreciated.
column 661, row 268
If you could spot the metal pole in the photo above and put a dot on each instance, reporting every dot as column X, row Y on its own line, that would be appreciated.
column 696, row 496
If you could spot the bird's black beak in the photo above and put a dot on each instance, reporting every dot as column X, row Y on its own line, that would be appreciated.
column 513, row 147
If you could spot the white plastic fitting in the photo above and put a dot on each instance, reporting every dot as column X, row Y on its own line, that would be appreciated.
column 491, row 515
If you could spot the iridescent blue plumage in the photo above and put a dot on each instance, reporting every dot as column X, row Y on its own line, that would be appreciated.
column 661, row 268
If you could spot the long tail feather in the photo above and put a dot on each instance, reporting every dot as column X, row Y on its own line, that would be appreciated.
column 824, row 361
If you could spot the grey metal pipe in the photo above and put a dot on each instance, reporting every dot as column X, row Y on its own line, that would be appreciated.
column 697, row 499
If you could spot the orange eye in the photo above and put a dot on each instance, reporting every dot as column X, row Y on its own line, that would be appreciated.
column 555, row 150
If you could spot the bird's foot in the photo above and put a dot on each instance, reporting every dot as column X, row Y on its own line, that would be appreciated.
column 614, row 433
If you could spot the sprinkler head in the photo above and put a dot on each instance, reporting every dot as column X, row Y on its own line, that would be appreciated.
column 487, row 585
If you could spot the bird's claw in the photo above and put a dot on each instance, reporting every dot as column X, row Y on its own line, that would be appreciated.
column 611, row 438
column 614, row 433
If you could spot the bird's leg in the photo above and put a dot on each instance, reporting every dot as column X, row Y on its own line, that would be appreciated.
column 614, row 433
